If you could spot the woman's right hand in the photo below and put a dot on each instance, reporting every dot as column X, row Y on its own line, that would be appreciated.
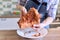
column 21, row 8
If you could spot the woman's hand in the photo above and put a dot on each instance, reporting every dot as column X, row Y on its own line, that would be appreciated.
column 37, row 26
column 21, row 8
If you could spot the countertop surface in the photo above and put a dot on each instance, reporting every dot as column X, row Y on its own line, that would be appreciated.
column 10, row 16
column 17, row 16
column 53, row 34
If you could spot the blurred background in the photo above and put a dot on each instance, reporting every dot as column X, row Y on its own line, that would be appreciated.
column 8, row 10
column 9, row 17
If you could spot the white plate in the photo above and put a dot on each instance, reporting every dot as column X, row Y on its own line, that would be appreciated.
column 43, row 33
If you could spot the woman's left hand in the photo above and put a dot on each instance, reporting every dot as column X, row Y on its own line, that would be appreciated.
column 37, row 26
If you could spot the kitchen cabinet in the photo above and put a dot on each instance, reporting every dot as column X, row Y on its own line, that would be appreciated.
column 8, row 23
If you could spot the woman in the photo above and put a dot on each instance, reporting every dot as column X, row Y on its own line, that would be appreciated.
column 47, row 9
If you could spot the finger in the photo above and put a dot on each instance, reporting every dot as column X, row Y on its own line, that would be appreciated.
column 35, row 27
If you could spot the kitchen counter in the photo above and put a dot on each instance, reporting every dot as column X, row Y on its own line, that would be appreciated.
column 18, row 15
column 10, row 16
column 54, row 34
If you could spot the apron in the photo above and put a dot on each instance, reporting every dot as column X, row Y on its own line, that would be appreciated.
column 41, row 7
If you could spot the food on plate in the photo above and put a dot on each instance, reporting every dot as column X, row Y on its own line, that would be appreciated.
column 37, row 34
column 28, row 19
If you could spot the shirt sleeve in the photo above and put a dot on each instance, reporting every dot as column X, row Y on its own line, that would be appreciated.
column 53, row 8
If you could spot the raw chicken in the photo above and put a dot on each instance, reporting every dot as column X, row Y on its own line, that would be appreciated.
column 28, row 19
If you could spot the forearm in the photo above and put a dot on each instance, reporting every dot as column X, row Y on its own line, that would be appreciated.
column 51, row 14
column 46, row 22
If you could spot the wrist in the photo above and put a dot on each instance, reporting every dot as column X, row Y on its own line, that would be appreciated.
column 42, row 25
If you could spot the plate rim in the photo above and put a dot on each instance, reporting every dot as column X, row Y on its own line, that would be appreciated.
column 32, row 37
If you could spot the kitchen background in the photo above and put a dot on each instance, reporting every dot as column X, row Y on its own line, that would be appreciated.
column 8, row 22
column 8, row 12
